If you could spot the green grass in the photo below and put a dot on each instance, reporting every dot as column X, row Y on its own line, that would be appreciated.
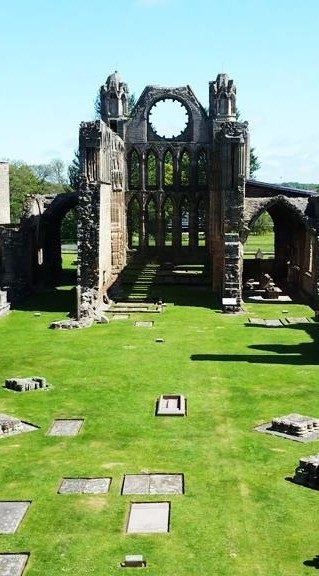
column 264, row 242
column 239, row 516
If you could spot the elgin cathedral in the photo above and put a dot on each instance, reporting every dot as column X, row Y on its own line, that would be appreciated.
column 183, row 197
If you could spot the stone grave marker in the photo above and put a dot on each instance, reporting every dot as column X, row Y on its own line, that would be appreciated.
column 119, row 316
column 65, row 427
column 13, row 564
column 153, row 484
column 144, row 323
column 294, row 321
column 257, row 321
column 171, row 405
column 293, row 427
column 273, row 323
column 84, row 486
column 10, row 426
column 11, row 516
column 148, row 518
column 133, row 561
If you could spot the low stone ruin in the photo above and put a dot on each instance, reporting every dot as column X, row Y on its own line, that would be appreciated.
column 307, row 473
column 8, row 425
column 26, row 384
column 71, row 324
column 295, row 425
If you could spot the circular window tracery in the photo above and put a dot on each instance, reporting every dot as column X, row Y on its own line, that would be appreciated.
column 168, row 118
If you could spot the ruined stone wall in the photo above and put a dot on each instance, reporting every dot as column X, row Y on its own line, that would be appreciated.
column 16, row 263
column 101, row 235
column 4, row 193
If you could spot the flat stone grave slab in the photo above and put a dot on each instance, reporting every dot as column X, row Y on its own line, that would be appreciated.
column 65, row 427
column 9, row 426
column 84, row 486
column 13, row 564
column 273, row 324
column 119, row 316
column 293, row 321
column 153, row 484
column 148, row 518
column 257, row 321
column 11, row 515
column 293, row 427
column 144, row 323
column 171, row 405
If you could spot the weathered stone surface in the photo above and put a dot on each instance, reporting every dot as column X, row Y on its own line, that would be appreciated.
column 273, row 323
column 10, row 426
column 85, row 486
column 144, row 324
column 26, row 384
column 293, row 321
column 292, row 427
column 119, row 316
column 11, row 515
column 295, row 424
column 153, row 484
column 72, row 324
column 65, row 427
column 257, row 321
column 148, row 518
column 12, row 564
column 171, row 405
column 307, row 473
column 133, row 561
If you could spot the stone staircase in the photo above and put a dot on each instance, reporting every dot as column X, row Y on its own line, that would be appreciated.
column 141, row 282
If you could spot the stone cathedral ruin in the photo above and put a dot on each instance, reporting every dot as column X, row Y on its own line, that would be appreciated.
column 140, row 190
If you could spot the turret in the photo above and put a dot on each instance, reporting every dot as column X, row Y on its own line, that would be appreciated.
column 114, row 102
column 222, row 99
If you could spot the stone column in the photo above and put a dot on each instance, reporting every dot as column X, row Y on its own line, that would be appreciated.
column 4, row 193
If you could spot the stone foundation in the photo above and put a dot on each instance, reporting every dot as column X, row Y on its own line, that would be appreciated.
column 295, row 425
column 307, row 473
column 26, row 384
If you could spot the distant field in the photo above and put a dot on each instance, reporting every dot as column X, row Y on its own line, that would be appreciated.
column 264, row 242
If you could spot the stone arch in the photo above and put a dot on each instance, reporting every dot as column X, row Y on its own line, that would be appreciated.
column 185, row 168
column 168, row 212
column 151, row 169
column 169, row 168
column 134, row 220
column 151, row 212
column 50, row 235
column 184, row 220
column 292, row 234
column 201, row 168
column 134, row 169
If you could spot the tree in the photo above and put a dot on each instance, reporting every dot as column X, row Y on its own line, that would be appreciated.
column 22, row 181
column 254, row 163
column 262, row 225
column 75, row 171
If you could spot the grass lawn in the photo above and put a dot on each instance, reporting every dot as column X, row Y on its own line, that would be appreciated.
column 264, row 242
column 238, row 516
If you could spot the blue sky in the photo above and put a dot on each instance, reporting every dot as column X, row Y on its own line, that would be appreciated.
column 55, row 55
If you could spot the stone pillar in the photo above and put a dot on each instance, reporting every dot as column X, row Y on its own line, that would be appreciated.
column 4, row 193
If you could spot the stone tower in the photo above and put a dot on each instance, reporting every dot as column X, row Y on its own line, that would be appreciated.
column 4, row 193
column 114, row 103
column 230, row 169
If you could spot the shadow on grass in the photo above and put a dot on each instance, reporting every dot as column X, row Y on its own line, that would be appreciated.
column 303, row 353
column 61, row 300
column 314, row 563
